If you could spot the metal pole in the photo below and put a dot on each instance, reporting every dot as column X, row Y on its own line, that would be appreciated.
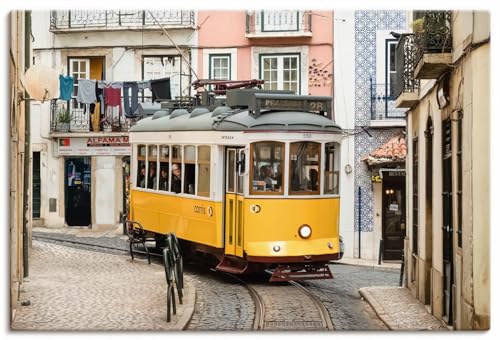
column 26, row 179
column 359, row 222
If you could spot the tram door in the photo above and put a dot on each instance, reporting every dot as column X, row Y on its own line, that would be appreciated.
column 234, row 203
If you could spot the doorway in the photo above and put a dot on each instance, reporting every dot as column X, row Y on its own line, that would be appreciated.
column 447, row 226
column 234, row 202
column 36, row 185
column 77, row 187
column 393, row 214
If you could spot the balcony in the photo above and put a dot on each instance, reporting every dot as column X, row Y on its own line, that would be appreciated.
column 81, row 120
column 433, row 43
column 406, row 87
column 273, row 24
column 98, row 20
column 384, row 112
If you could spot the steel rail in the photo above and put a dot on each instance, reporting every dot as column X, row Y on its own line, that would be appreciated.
column 258, row 323
column 325, row 316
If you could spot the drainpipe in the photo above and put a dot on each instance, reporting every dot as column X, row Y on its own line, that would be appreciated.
column 359, row 222
column 27, row 156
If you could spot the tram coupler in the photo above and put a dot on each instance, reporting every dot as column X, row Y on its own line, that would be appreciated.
column 301, row 272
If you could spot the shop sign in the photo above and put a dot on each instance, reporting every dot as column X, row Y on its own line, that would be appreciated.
column 376, row 179
column 94, row 146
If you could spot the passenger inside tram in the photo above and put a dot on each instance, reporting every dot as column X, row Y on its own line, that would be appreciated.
column 152, row 176
column 163, row 179
column 142, row 177
column 176, row 178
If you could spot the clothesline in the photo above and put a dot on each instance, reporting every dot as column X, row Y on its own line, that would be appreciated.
column 108, row 93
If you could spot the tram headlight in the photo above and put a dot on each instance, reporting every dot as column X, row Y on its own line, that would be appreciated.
column 305, row 231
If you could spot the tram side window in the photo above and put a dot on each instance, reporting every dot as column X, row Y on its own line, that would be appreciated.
column 141, row 166
column 203, row 171
column 151, row 180
column 164, row 167
column 267, row 167
column 304, row 168
column 189, row 169
column 176, row 169
column 331, row 168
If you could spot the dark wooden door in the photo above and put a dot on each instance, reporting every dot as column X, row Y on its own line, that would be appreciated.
column 393, row 214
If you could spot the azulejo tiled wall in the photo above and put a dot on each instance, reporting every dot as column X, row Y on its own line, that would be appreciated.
column 367, row 23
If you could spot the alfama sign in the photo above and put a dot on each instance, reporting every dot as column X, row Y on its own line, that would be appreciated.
column 94, row 146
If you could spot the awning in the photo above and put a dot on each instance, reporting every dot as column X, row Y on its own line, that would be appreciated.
column 393, row 151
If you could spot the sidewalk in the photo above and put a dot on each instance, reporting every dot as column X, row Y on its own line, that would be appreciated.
column 399, row 310
column 394, row 305
column 73, row 289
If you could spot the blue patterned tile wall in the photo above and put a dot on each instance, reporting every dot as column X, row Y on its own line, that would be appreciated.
column 367, row 23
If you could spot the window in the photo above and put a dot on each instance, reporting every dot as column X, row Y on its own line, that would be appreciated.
column 279, row 21
column 220, row 66
column 267, row 165
column 280, row 72
column 141, row 166
column 78, row 69
column 391, row 64
column 156, row 67
column 304, row 168
column 189, row 169
column 331, row 168
column 203, row 171
column 176, row 175
column 151, row 180
column 164, row 168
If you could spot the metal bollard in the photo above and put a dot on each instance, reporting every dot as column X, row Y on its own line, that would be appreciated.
column 401, row 273
column 380, row 252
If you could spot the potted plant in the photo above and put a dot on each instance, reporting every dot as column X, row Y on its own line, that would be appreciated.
column 63, row 119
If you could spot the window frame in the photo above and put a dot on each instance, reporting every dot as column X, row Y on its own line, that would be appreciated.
column 211, row 67
column 251, row 170
column 163, row 74
column 320, row 182
column 280, row 70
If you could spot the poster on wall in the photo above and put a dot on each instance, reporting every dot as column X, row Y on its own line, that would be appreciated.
column 94, row 146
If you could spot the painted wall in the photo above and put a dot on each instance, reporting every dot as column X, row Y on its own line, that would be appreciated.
column 469, row 94
column 362, row 52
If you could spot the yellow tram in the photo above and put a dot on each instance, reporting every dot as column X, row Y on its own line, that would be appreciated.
column 254, row 182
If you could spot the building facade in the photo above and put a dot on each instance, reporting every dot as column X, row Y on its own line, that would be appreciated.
column 448, row 180
column 372, row 209
column 289, row 50
column 81, row 172
column 19, row 218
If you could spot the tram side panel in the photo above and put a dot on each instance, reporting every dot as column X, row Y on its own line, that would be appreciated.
column 276, row 222
column 189, row 218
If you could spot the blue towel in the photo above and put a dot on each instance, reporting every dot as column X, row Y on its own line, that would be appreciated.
column 65, row 87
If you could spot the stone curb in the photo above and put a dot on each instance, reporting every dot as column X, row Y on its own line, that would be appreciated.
column 371, row 266
column 189, row 302
column 377, row 307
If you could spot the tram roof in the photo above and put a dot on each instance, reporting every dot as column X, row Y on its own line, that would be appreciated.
column 234, row 120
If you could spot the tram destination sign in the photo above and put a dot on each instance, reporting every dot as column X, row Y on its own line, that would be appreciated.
column 286, row 102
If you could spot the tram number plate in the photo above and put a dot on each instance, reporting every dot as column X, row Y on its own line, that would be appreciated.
column 307, row 135
column 199, row 210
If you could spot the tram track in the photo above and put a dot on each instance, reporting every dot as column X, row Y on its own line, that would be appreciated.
column 286, row 307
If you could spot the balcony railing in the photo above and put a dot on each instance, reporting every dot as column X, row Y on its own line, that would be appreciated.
column 382, row 104
column 82, row 119
column 405, row 81
column 271, row 22
column 108, row 19
column 432, row 32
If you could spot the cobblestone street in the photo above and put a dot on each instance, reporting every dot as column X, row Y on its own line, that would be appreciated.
column 341, row 295
column 71, row 289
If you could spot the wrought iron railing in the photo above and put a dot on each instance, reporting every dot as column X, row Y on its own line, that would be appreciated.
column 382, row 104
column 405, row 65
column 278, row 21
column 113, row 19
column 432, row 32
column 82, row 120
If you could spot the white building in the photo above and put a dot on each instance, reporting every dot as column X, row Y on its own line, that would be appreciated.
column 78, row 175
column 364, row 59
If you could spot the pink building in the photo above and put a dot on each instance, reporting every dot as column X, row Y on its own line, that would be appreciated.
column 290, row 50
